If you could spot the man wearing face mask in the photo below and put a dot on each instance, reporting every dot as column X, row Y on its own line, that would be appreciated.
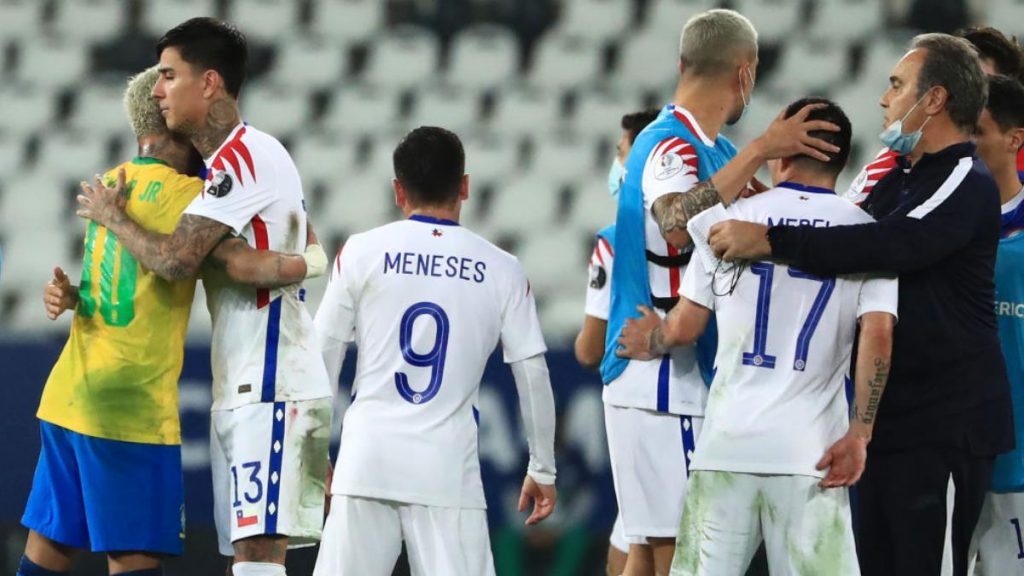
column 589, row 346
column 679, row 165
column 947, row 408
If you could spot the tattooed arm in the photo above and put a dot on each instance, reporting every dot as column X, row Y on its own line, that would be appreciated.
column 257, row 268
column 649, row 336
column 846, row 458
column 784, row 137
column 176, row 256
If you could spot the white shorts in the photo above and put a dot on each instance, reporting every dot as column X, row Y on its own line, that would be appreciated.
column 364, row 536
column 806, row 530
column 269, row 462
column 998, row 545
column 650, row 456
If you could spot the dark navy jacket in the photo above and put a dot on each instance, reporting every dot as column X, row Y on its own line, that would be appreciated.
column 938, row 227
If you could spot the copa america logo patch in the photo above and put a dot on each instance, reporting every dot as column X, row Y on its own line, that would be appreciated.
column 598, row 277
column 668, row 166
column 858, row 185
column 221, row 185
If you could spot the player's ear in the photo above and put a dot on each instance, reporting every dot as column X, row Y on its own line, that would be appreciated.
column 1016, row 138
column 400, row 198
column 464, row 188
column 211, row 82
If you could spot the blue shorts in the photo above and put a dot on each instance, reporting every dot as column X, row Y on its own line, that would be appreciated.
column 108, row 495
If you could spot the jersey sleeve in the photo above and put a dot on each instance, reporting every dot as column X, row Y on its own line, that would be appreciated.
column 335, row 318
column 671, row 167
column 234, row 192
column 599, row 290
column 879, row 293
column 521, row 336
column 696, row 285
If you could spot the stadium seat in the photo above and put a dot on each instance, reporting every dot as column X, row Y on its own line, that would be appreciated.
column 313, row 63
column 561, row 316
column 357, row 203
column 20, row 19
column 599, row 115
column 89, row 20
column 845, row 21
column 879, row 59
column 648, row 62
column 807, row 67
column 490, row 159
column 595, row 20
column 99, row 110
column 74, row 155
column 592, row 207
column 1007, row 15
column 12, row 154
column 159, row 16
column 483, row 57
column 404, row 58
column 775, row 20
column 51, row 62
column 551, row 276
column 563, row 63
column 323, row 157
column 357, row 110
column 347, row 21
column 26, row 110
column 265, row 20
column 276, row 110
column 525, row 206
column 665, row 18
column 450, row 108
column 564, row 160
column 520, row 113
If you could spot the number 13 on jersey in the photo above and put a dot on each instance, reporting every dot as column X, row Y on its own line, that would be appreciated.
column 434, row 358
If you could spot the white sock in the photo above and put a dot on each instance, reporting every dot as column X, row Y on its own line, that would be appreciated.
column 257, row 569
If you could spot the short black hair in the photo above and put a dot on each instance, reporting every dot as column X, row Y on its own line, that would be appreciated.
column 831, row 112
column 430, row 163
column 1004, row 52
column 1006, row 102
column 210, row 44
column 634, row 123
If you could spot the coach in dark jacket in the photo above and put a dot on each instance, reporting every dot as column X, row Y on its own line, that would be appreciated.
column 946, row 410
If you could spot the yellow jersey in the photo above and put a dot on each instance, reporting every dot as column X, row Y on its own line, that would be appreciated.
column 117, row 377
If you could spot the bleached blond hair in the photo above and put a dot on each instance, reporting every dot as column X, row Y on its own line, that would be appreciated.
column 143, row 110
column 712, row 41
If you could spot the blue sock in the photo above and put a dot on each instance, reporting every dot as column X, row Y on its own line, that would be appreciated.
column 30, row 568
column 146, row 572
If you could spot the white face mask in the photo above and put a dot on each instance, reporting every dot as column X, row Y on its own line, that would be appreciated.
column 746, row 99
column 615, row 175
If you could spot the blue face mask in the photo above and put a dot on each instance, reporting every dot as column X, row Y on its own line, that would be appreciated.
column 894, row 138
column 615, row 176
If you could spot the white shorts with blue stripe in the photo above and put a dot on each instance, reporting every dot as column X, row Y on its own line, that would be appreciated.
column 269, row 462
column 650, row 455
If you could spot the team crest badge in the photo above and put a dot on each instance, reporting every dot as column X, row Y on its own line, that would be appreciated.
column 221, row 185
column 668, row 166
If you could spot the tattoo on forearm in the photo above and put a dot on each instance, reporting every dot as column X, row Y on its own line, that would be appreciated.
column 673, row 211
column 174, row 257
column 656, row 341
column 876, row 386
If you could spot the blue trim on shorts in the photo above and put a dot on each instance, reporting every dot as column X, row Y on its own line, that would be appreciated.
column 274, row 472
column 688, row 440
column 107, row 495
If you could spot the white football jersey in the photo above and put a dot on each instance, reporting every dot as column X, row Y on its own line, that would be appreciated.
column 599, row 288
column 785, row 337
column 263, row 346
column 427, row 301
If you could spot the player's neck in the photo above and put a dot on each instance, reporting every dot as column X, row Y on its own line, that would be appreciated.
column 166, row 149
column 438, row 212
column 940, row 134
column 1008, row 181
column 221, row 118
column 812, row 179
column 706, row 102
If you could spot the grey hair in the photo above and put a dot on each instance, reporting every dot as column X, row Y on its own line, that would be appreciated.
column 953, row 64
column 143, row 110
column 712, row 40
